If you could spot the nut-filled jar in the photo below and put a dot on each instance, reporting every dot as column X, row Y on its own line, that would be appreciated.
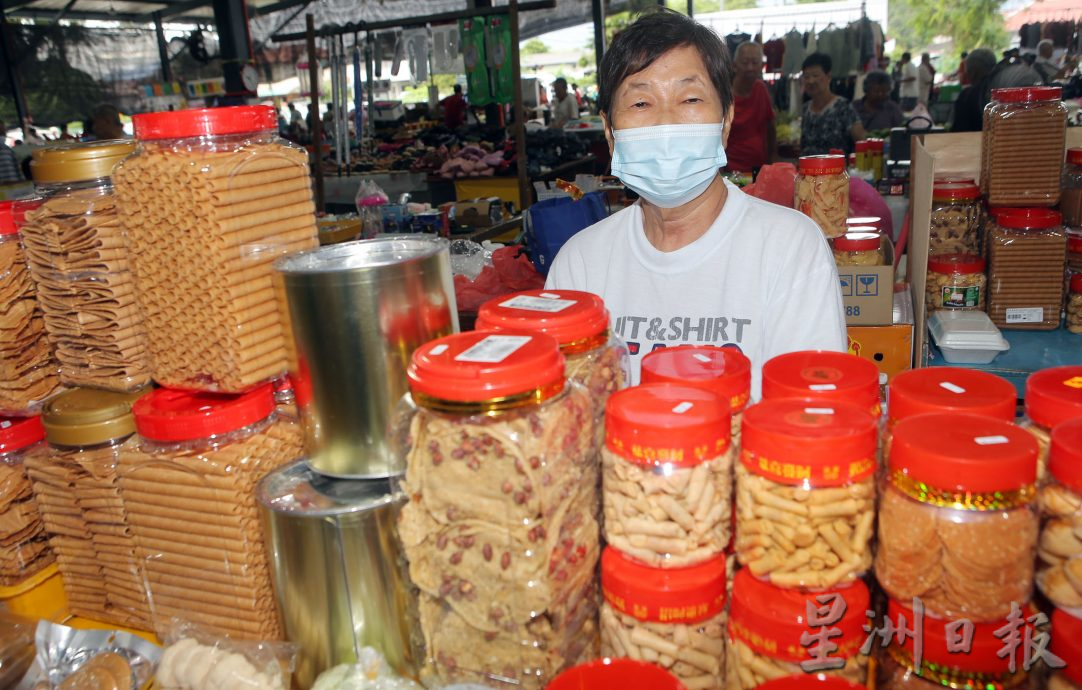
column 823, row 377
column 209, row 201
column 957, row 515
column 188, row 486
column 1070, row 201
column 25, row 544
column 859, row 248
column 1022, row 141
column 501, row 530
column 1027, row 250
column 805, row 492
column 956, row 219
column 1067, row 645
column 28, row 371
column 956, row 282
column 667, row 474
column 1074, row 304
column 822, row 192
column 77, row 488
column 1059, row 551
column 1053, row 396
column 673, row 618
column 1074, row 250
column 766, row 624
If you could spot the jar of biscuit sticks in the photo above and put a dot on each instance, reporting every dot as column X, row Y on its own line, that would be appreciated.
column 209, row 201
column 822, row 192
column 1024, row 134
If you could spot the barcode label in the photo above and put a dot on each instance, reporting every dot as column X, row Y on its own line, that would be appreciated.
column 1025, row 315
column 544, row 304
column 493, row 349
column 682, row 408
column 952, row 387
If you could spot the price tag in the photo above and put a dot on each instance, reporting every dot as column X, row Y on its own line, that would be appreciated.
column 544, row 304
column 822, row 387
column 493, row 349
column 682, row 408
column 991, row 440
column 701, row 357
column 1025, row 315
column 952, row 387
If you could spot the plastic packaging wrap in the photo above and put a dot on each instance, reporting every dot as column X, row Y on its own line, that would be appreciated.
column 805, row 493
column 1059, row 550
column 825, row 377
column 1070, row 201
column 962, row 541
column 1074, row 305
column 859, row 249
column 370, row 673
column 209, row 202
column 956, row 219
column 1027, row 252
column 1022, row 141
column 955, row 282
column 24, row 544
column 16, row 648
column 1053, row 396
column 70, row 659
column 822, row 192
column 196, row 659
column 1074, row 249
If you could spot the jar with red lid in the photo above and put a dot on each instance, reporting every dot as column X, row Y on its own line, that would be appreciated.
column 956, row 219
column 1059, row 551
column 1067, row 645
column 26, row 544
column 877, row 157
column 501, row 528
column 1053, row 396
column 197, row 462
column 667, row 474
column 805, row 492
column 595, row 357
column 674, row 618
column 859, row 247
column 957, row 516
column 816, row 681
column 209, row 200
column 1027, row 251
column 1070, row 202
column 766, row 625
column 1074, row 250
column 1022, row 142
column 956, row 282
column 823, row 376
column 1074, row 304
column 822, row 192
column 626, row 674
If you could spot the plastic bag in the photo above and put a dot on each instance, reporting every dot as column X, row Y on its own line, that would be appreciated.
column 776, row 183
column 371, row 672
column 866, row 202
column 370, row 201
column 467, row 258
column 16, row 648
column 510, row 272
column 63, row 652
column 550, row 223
column 197, row 660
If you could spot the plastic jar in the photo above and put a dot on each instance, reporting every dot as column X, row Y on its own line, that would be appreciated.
column 1027, row 250
column 766, row 624
column 595, row 357
column 805, row 492
column 822, row 192
column 956, row 282
column 189, row 486
column 957, row 516
column 501, row 529
column 859, row 249
column 27, row 367
column 1074, row 250
column 26, row 549
column 1053, row 396
column 1067, row 645
column 78, row 492
column 1070, row 202
column 210, row 200
column 803, row 681
column 1022, row 141
column 877, row 157
column 667, row 472
column 956, row 219
column 673, row 618
column 823, row 377
column 1074, row 305
column 626, row 674
column 1060, row 548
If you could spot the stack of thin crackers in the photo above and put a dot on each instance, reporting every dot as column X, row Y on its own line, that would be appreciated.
column 1022, row 147
column 24, row 544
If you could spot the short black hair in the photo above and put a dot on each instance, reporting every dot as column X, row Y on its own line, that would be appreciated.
column 560, row 80
column 458, row 88
column 877, row 78
column 820, row 60
column 907, row 57
column 651, row 36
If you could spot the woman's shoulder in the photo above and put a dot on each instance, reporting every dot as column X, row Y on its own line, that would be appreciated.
column 776, row 223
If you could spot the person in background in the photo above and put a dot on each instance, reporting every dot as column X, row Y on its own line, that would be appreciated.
column 908, row 83
column 564, row 107
column 9, row 162
column 969, row 106
column 876, row 110
column 925, row 79
column 454, row 108
column 1045, row 66
column 753, row 136
column 328, row 119
column 105, row 123
column 1013, row 72
column 64, row 134
column 578, row 95
column 829, row 121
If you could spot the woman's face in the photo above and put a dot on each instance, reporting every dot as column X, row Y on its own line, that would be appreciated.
column 815, row 80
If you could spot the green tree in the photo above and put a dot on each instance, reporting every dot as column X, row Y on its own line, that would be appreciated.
column 969, row 23
column 534, row 46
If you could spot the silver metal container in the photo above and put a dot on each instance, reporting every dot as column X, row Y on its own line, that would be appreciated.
column 359, row 310
column 340, row 578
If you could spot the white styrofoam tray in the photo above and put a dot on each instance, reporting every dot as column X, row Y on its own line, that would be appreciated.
column 966, row 337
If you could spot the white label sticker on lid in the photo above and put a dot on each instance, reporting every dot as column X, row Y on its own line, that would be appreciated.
column 549, row 295
column 822, row 387
column 438, row 350
column 952, row 387
column 991, row 440
column 549, row 304
column 819, row 410
column 682, row 407
column 5, row 424
column 701, row 357
column 493, row 349
column 1025, row 315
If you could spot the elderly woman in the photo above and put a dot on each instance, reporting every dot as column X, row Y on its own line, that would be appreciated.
column 876, row 110
column 695, row 260
column 829, row 121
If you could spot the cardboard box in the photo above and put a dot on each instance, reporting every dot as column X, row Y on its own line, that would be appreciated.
column 868, row 291
column 478, row 213
column 888, row 347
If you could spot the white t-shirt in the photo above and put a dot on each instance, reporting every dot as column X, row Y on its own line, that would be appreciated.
column 925, row 79
column 565, row 110
column 910, row 89
column 762, row 278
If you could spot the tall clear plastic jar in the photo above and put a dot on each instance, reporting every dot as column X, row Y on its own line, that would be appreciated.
column 957, row 516
column 1053, row 396
column 859, row 249
column 1027, row 251
column 26, row 549
column 673, row 618
column 209, row 201
column 805, row 493
column 766, row 624
column 823, row 376
column 501, row 528
column 1067, row 645
column 956, row 219
column 27, row 366
column 1022, row 142
column 77, row 487
column 667, row 473
column 78, row 256
column 1070, row 202
column 822, row 192
column 1074, row 304
column 1074, row 249
column 956, row 282
column 189, row 488
column 1059, row 551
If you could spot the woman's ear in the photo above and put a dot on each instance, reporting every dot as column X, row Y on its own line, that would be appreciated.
column 608, row 131
column 726, row 125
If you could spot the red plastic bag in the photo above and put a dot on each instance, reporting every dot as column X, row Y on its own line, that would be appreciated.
column 510, row 272
column 775, row 184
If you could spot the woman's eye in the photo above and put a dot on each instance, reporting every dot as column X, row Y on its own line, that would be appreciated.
column 693, row 99
column 638, row 104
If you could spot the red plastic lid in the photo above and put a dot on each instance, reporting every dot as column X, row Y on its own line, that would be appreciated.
column 878, row 145
column 771, row 620
column 822, row 165
column 1054, row 395
column 616, row 674
column 956, row 263
column 863, row 146
column 800, row 681
column 951, row 389
column 171, row 415
column 1028, row 218
column 666, row 423
column 569, row 316
column 1074, row 156
column 204, row 122
column 1076, row 283
column 964, row 452
column 858, row 241
column 822, row 376
column 1067, row 643
column 725, row 371
column 954, row 191
column 486, row 365
column 1074, row 241
column 9, row 221
column 813, row 442
column 17, row 433
column 1028, row 94
column 954, row 179
column 677, row 595
column 1065, row 455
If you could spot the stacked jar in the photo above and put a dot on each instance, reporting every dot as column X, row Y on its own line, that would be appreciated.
column 1070, row 202
column 1053, row 396
column 817, row 681
column 822, row 192
column 859, row 247
column 1024, row 133
column 1027, row 252
column 1074, row 249
column 1060, row 549
column 1074, row 305
column 956, row 282
column 500, row 530
column 956, row 219
column 824, row 377
column 24, row 544
column 1067, row 645
column 616, row 673
column 768, row 625
column 209, row 201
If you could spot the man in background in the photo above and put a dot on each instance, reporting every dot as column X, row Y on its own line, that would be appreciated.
column 969, row 107
column 753, row 133
column 908, row 82
column 454, row 109
column 925, row 79
column 564, row 107
column 105, row 123
column 9, row 163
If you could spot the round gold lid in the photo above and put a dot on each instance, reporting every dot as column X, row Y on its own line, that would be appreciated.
column 79, row 161
column 89, row 417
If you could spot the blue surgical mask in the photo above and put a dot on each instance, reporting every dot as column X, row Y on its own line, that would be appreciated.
column 668, row 165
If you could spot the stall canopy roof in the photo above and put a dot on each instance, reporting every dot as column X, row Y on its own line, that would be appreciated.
column 1045, row 11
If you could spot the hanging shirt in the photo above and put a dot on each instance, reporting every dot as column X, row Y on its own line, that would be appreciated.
column 733, row 41
column 774, row 50
column 794, row 52
column 752, row 114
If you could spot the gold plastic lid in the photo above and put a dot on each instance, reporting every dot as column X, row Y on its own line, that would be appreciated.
column 79, row 161
column 89, row 417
